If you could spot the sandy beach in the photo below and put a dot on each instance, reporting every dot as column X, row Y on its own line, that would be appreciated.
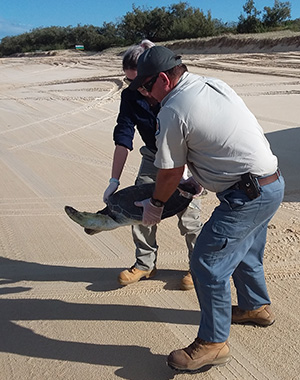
column 63, row 314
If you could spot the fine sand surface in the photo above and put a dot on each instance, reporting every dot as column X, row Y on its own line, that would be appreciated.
column 63, row 314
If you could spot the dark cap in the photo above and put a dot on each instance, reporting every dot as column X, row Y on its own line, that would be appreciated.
column 152, row 62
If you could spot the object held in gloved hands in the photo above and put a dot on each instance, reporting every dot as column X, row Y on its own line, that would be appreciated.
column 121, row 211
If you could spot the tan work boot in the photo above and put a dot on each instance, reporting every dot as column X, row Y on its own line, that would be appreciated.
column 199, row 354
column 187, row 282
column 129, row 276
column 262, row 316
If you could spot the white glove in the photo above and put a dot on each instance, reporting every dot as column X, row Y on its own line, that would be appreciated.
column 151, row 214
column 194, row 184
column 114, row 183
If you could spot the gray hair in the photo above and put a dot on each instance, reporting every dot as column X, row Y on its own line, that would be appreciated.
column 132, row 54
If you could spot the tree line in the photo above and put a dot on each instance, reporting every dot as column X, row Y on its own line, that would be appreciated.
column 178, row 21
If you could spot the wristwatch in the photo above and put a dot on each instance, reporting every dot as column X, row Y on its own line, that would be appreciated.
column 157, row 202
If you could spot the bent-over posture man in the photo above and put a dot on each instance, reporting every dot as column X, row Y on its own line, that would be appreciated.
column 203, row 123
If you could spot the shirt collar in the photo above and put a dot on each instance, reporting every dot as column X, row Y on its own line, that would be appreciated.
column 168, row 96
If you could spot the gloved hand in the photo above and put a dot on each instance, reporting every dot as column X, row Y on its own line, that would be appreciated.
column 151, row 214
column 194, row 184
column 111, row 188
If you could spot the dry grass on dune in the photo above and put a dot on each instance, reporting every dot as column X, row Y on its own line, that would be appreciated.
column 242, row 43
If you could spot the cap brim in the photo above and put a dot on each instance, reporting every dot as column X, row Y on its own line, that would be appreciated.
column 137, row 82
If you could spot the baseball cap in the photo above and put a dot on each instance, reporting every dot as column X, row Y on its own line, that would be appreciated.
column 152, row 62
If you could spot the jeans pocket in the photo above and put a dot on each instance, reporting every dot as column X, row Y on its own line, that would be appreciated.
column 234, row 198
column 231, row 227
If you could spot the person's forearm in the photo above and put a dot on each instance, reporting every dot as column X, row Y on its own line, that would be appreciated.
column 119, row 159
column 167, row 181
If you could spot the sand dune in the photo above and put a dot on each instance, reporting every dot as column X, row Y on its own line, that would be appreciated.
column 272, row 42
column 63, row 314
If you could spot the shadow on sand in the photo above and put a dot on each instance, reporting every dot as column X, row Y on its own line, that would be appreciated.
column 99, row 279
column 135, row 362
column 285, row 145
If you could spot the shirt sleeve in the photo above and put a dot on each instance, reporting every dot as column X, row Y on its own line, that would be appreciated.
column 125, row 128
column 171, row 140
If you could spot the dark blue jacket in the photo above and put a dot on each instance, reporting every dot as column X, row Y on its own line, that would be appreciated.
column 135, row 111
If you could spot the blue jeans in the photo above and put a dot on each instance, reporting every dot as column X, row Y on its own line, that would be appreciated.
column 232, row 243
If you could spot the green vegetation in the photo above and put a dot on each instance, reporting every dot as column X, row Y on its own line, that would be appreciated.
column 179, row 21
column 272, row 18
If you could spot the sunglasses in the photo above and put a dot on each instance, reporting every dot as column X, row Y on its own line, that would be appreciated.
column 148, row 85
column 127, row 81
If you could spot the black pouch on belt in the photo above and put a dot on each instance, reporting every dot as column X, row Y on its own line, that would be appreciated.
column 249, row 185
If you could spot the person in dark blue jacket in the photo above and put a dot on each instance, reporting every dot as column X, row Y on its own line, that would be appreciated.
column 138, row 110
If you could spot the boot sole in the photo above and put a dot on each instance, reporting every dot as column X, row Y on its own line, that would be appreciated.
column 205, row 367
column 253, row 323
column 187, row 287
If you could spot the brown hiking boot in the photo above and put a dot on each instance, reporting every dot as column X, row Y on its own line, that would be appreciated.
column 199, row 354
column 129, row 276
column 262, row 316
column 187, row 282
